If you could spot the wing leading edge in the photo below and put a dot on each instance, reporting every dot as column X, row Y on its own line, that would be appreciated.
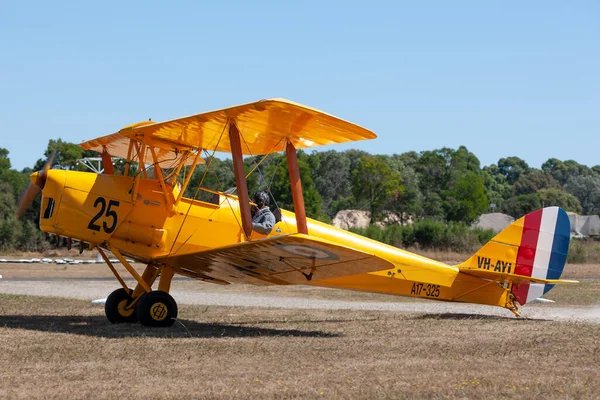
column 263, row 125
column 281, row 260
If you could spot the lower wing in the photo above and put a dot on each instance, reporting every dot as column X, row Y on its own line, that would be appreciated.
column 282, row 260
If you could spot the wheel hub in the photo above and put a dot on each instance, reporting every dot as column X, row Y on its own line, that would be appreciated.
column 159, row 311
column 123, row 310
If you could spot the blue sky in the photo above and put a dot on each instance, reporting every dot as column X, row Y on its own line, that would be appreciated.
column 502, row 78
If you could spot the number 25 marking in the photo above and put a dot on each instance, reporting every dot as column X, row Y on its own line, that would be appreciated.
column 109, row 213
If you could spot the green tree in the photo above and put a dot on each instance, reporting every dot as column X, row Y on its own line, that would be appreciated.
column 16, row 180
column 219, row 177
column 435, row 170
column 355, row 156
column 280, row 187
column 464, row 160
column 374, row 183
column 520, row 205
column 4, row 160
column 8, row 206
column 560, row 198
column 12, row 184
column 497, row 189
column 587, row 190
column 512, row 168
column 332, row 178
column 563, row 171
column 66, row 155
column 9, row 226
column 533, row 181
column 435, row 174
column 443, row 178
column 433, row 206
column 408, row 203
column 30, row 237
column 466, row 200
column 408, row 159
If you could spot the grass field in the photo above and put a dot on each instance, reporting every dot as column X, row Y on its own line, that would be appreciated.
column 57, row 348
column 63, row 348
column 584, row 294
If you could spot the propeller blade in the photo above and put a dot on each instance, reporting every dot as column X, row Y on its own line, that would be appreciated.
column 48, row 164
column 27, row 198
column 38, row 180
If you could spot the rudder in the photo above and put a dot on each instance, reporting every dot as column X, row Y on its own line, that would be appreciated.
column 532, row 248
column 543, row 251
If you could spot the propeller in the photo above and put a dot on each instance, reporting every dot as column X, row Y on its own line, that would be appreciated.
column 38, row 180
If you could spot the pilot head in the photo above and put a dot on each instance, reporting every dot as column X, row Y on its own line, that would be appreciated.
column 261, row 199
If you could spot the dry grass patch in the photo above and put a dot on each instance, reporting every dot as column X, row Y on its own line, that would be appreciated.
column 52, row 270
column 61, row 252
column 581, row 271
column 447, row 256
column 583, row 294
column 57, row 348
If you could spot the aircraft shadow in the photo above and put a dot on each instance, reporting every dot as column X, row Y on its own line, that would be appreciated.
column 99, row 326
column 314, row 321
column 477, row 317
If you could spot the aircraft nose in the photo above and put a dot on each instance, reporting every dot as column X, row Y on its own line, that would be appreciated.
column 35, row 177
column 38, row 178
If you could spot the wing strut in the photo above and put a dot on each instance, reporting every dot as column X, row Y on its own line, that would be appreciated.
column 107, row 161
column 240, row 177
column 296, row 186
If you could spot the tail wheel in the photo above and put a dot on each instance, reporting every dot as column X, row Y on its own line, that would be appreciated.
column 116, row 307
column 157, row 308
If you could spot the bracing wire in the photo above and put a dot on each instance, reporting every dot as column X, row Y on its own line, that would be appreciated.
column 197, row 190
column 271, row 183
column 220, row 184
column 274, row 171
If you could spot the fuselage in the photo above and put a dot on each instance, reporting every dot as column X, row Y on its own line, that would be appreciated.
column 95, row 208
column 100, row 209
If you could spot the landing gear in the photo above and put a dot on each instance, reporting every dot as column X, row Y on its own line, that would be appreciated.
column 512, row 305
column 157, row 309
column 116, row 307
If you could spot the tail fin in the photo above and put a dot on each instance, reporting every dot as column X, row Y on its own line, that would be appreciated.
column 530, row 253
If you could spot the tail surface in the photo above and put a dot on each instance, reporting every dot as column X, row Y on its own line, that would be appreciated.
column 529, row 255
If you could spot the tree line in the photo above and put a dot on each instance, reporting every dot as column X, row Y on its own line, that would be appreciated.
column 446, row 185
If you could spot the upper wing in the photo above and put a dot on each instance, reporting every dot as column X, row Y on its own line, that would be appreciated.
column 167, row 153
column 282, row 260
column 263, row 126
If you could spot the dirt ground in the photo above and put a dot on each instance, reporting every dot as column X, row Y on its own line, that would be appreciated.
column 58, row 348
column 243, row 341
column 584, row 294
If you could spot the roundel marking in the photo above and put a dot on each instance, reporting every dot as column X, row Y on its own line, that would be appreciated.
column 307, row 251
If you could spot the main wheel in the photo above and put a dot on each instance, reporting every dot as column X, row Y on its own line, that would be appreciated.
column 115, row 307
column 157, row 309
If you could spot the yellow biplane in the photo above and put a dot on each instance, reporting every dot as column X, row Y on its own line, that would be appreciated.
column 141, row 213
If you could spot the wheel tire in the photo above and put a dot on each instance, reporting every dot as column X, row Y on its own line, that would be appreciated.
column 157, row 309
column 114, row 308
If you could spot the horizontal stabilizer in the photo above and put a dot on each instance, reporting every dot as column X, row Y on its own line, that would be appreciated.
column 281, row 260
column 541, row 300
column 499, row 276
